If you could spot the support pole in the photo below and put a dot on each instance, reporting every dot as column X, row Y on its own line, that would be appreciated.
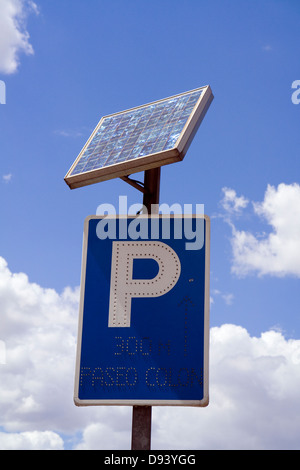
column 152, row 187
column 142, row 415
column 141, row 428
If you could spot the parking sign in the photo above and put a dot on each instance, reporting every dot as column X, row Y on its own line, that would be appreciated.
column 144, row 311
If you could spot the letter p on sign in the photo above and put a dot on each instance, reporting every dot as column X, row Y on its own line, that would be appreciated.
column 122, row 285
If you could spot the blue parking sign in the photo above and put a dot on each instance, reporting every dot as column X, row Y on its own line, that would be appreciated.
column 143, row 335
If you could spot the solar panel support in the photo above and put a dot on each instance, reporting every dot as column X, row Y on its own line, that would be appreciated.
column 136, row 184
column 152, row 187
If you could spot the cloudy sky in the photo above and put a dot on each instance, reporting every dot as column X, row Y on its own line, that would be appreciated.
column 66, row 64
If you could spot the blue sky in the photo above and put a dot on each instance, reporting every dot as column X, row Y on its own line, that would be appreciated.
column 65, row 65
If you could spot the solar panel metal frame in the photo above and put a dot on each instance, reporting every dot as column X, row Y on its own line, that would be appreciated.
column 146, row 162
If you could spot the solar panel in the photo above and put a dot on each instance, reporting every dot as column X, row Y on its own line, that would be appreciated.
column 140, row 138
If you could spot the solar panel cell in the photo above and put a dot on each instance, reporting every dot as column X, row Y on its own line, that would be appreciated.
column 132, row 137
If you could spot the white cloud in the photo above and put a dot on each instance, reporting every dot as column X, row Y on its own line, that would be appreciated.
column 254, row 384
column 267, row 48
column 277, row 253
column 38, row 327
column 232, row 203
column 113, row 432
column 254, row 401
column 31, row 441
column 7, row 178
column 68, row 133
column 14, row 38
column 254, row 390
column 227, row 297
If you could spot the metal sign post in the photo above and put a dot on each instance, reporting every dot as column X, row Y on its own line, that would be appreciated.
column 143, row 334
column 142, row 415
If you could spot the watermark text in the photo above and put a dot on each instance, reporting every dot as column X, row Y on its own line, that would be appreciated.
column 2, row 353
column 2, row 92
column 184, row 226
column 296, row 93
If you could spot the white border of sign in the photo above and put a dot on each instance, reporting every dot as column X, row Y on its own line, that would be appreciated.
column 199, row 403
